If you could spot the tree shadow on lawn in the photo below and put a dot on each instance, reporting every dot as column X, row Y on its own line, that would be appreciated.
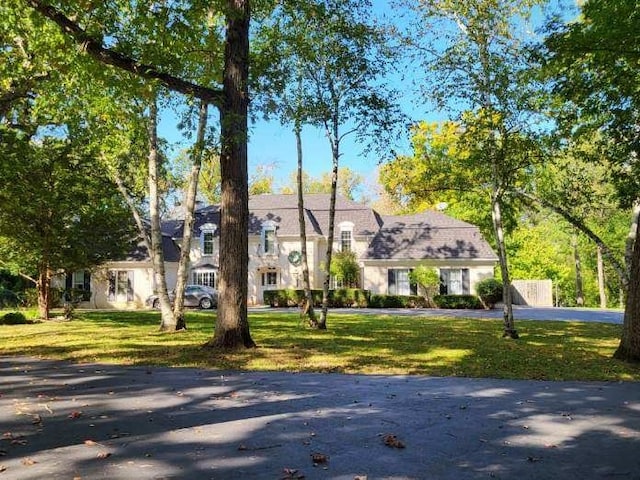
column 100, row 421
column 353, row 343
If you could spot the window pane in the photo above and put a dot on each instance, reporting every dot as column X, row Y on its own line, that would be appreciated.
column 207, row 243
column 269, row 241
column 345, row 241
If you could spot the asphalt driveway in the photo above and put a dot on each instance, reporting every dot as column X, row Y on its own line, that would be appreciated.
column 65, row 421
column 519, row 313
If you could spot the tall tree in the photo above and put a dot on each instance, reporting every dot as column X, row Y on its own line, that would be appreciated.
column 593, row 64
column 58, row 211
column 339, row 56
column 232, row 327
column 479, row 61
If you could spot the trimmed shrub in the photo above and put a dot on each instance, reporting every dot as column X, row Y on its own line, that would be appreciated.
column 343, row 297
column 490, row 292
column 14, row 318
column 396, row 301
column 458, row 301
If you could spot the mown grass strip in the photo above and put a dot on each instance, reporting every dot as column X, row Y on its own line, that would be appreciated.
column 354, row 343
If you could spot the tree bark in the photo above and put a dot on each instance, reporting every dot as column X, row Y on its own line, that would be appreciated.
column 578, row 266
column 496, row 216
column 308, row 303
column 631, row 237
column 232, row 325
column 321, row 324
column 167, row 320
column 629, row 348
column 44, row 289
column 189, row 219
column 602, row 291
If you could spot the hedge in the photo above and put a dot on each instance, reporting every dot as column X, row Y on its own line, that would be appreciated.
column 458, row 301
column 397, row 301
column 343, row 297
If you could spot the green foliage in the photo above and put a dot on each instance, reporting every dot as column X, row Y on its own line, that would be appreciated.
column 8, row 298
column 14, row 318
column 339, row 298
column 345, row 268
column 458, row 301
column 397, row 301
column 490, row 291
column 428, row 278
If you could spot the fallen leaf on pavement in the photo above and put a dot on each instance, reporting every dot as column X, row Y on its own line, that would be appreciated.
column 28, row 461
column 291, row 474
column 319, row 458
column 103, row 455
column 75, row 414
column 391, row 440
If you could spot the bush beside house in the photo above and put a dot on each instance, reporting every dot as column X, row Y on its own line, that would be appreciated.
column 490, row 292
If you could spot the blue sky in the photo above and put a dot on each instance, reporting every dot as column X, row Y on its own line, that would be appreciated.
column 272, row 145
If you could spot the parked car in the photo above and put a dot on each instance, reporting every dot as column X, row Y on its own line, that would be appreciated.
column 200, row 296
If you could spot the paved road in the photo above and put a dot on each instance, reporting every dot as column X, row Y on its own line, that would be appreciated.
column 64, row 421
column 519, row 312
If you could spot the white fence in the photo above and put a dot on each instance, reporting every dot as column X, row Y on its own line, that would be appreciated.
column 537, row 293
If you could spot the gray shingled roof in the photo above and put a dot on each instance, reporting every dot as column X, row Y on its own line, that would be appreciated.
column 428, row 235
column 141, row 254
column 283, row 209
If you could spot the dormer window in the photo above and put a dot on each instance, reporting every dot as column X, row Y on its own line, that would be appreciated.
column 207, row 232
column 269, row 242
column 346, row 236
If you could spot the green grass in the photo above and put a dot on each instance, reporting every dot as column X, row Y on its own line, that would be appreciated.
column 353, row 344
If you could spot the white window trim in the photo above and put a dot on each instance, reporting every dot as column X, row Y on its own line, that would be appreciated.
column 207, row 228
column 269, row 226
column 345, row 227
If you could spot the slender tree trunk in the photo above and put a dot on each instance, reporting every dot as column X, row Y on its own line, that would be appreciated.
column 629, row 348
column 601, row 284
column 189, row 206
column 308, row 303
column 578, row 266
column 496, row 215
column 167, row 321
column 335, row 153
column 232, row 325
column 144, row 234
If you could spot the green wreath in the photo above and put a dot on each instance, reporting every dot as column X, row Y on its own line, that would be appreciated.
column 295, row 258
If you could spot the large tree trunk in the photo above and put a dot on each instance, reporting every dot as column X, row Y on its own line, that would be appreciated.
column 306, row 284
column 602, row 291
column 496, row 215
column 189, row 207
column 578, row 265
column 232, row 325
column 43, row 286
column 167, row 321
column 629, row 348
column 631, row 237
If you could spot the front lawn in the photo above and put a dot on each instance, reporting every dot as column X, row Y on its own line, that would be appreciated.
column 353, row 344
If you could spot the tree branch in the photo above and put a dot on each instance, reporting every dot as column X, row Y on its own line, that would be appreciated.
column 110, row 57
column 577, row 223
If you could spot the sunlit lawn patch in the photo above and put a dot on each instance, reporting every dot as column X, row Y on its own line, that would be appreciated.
column 354, row 343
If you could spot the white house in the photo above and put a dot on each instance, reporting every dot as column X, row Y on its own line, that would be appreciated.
column 387, row 248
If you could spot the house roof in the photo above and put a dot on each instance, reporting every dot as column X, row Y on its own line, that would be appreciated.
column 283, row 209
column 428, row 235
column 140, row 253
